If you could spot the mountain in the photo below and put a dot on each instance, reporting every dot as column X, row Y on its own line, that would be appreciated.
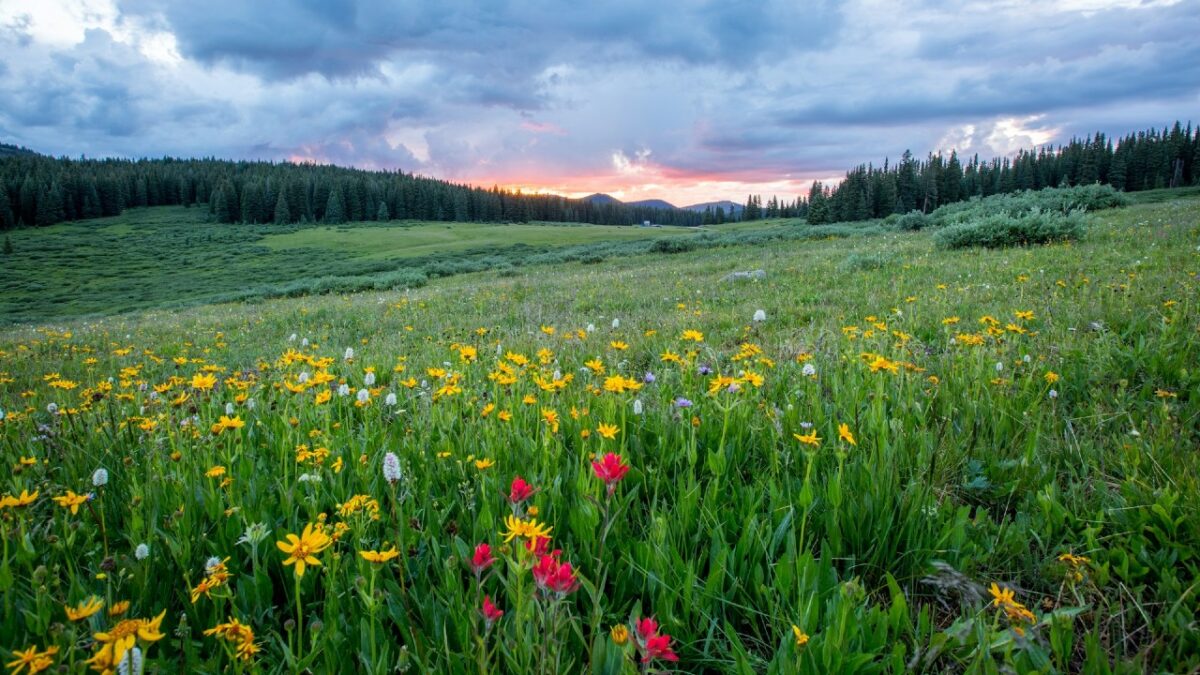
column 724, row 204
column 652, row 204
column 601, row 198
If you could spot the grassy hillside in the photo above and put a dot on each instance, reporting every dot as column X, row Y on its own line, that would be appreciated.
column 171, row 256
column 908, row 428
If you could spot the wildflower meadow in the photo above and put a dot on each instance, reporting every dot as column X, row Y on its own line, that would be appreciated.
column 882, row 455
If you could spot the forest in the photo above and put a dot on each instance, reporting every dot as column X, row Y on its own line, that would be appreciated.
column 36, row 190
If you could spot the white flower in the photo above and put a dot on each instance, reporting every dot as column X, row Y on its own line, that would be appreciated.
column 344, row 390
column 292, row 337
column 1053, row 393
column 1027, row 358
column 309, row 478
column 391, row 467
column 229, row 408
column 250, row 404
column 100, row 478
column 637, row 406
column 808, row 370
column 363, row 396
column 369, row 378
column 390, row 400
column 211, row 564
column 999, row 366
column 132, row 663
column 141, row 552
column 616, row 324
column 303, row 378
column 1, row 414
column 52, row 408
column 304, row 342
column 349, row 353
column 760, row 315
column 591, row 327
column 254, row 534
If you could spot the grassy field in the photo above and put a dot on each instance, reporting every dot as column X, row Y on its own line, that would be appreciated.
column 171, row 256
column 939, row 461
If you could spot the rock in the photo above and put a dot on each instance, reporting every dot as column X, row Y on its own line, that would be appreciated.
column 741, row 276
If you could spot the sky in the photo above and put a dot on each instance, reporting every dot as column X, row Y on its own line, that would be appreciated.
column 685, row 101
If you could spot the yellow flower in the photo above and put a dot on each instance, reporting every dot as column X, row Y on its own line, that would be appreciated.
column 482, row 464
column 1024, row 316
column 810, row 438
column 550, row 417
column 800, row 635
column 215, row 472
column 529, row 529
column 608, row 431
column 1001, row 596
column 226, row 423
column 620, row 634
column 71, row 501
column 379, row 557
column 302, row 550
column 32, row 660
column 845, row 435
column 618, row 345
column 24, row 499
column 1051, row 377
column 113, row 644
column 204, row 381
column 693, row 335
column 323, row 397
column 85, row 609
column 118, row 608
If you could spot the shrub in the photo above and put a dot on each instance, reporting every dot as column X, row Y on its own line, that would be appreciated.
column 911, row 221
column 1004, row 229
column 673, row 245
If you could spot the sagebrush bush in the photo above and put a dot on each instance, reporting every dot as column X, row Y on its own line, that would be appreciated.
column 1000, row 230
column 1058, row 200
column 911, row 221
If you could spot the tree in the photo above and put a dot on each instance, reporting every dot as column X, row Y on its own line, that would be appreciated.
column 8, row 247
column 382, row 214
column 335, row 212
column 283, row 214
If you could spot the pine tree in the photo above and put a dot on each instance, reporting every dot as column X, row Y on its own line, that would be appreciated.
column 8, row 247
column 382, row 214
column 283, row 214
column 335, row 212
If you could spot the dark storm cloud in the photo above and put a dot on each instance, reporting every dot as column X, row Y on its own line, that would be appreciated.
column 281, row 39
column 665, row 92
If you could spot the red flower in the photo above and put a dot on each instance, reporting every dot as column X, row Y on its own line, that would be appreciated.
column 659, row 647
column 491, row 613
column 553, row 576
column 520, row 491
column 538, row 545
column 653, row 644
column 610, row 469
column 482, row 559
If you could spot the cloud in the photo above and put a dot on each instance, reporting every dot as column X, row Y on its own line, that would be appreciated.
column 677, row 97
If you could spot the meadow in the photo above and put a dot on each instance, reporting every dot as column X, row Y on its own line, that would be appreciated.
column 886, row 456
column 176, row 256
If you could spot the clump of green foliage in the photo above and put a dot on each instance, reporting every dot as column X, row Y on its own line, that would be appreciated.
column 1000, row 230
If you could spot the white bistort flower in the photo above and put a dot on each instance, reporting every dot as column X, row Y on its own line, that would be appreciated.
column 390, row 399
column 391, row 467
column 760, row 315
column 344, row 390
column 369, row 378
column 363, row 396
column 808, row 370
column 349, row 356
column 100, row 477
column 141, row 552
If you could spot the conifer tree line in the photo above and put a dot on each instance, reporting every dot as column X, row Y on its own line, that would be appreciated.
column 36, row 191
column 1145, row 160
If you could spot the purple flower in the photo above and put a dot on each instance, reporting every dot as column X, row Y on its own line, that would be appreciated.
column 682, row 402
column 648, row 378
column 705, row 370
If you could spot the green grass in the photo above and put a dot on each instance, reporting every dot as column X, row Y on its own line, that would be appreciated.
column 727, row 529
column 173, row 256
